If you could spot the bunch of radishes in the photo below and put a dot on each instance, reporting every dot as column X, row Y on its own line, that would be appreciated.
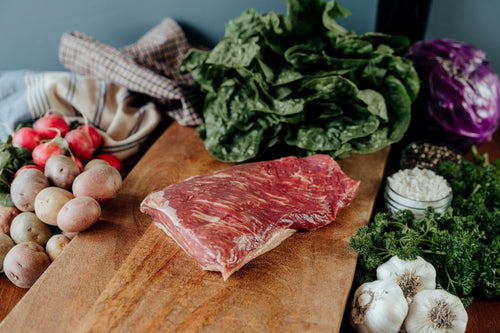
column 51, row 135
column 57, row 197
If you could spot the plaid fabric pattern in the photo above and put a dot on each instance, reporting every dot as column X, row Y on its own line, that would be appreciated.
column 150, row 67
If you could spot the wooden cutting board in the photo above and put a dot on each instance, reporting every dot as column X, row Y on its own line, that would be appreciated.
column 126, row 275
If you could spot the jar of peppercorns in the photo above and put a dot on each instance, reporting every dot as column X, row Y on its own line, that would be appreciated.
column 428, row 155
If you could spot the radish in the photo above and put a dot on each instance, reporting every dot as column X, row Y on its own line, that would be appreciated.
column 94, row 135
column 80, row 144
column 28, row 166
column 26, row 137
column 44, row 151
column 114, row 161
column 48, row 126
column 78, row 162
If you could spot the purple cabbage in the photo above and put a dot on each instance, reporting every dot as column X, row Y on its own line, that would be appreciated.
column 459, row 102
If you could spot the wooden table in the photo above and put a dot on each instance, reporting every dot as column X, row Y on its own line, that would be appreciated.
column 483, row 315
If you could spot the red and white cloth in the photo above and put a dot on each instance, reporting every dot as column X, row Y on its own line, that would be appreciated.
column 151, row 66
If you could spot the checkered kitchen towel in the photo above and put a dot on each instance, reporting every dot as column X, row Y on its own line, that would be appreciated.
column 123, row 92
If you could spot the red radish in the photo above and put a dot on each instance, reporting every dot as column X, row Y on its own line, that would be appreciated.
column 44, row 151
column 28, row 166
column 114, row 161
column 78, row 162
column 26, row 137
column 94, row 135
column 49, row 125
column 80, row 144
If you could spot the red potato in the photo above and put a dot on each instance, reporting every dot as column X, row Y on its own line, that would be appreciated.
column 55, row 245
column 28, row 166
column 7, row 214
column 50, row 125
column 26, row 137
column 78, row 214
column 49, row 202
column 94, row 162
column 25, row 263
column 114, row 161
column 44, row 151
column 25, row 187
column 80, row 144
column 102, row 182
column 93, row 133
column 27, row 227
column 70, row 235
column 61, row 170
column 6, row 243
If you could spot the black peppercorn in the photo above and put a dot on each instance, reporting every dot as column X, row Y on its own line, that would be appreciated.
column 427, row 155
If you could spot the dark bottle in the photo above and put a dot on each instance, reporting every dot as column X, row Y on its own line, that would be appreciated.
column 403, row 17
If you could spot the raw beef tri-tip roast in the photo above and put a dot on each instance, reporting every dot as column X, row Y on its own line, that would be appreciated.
column 228, row 217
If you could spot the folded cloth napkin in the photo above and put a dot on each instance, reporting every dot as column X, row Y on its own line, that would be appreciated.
column 123, row 92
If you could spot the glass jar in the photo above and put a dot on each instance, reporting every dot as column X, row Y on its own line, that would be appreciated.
column 395, row 202
column 416, row 189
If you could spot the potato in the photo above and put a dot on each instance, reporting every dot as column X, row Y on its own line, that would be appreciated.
column 25, row 187
column 70, row 235
column 7, row 214
column 25, row 263
column 6, row 243
column 55, row 245
column 49, row 202
column 102, row 182
column 95, row 162
column 78, row 214
column 61, row 170
column 27, row 227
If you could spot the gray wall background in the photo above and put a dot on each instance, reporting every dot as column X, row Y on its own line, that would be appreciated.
column 476, row 22
column 30, row 29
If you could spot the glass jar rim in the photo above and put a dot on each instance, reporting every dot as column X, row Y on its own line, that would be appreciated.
column 404, row 199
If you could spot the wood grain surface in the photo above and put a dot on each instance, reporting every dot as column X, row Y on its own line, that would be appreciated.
column 124, row 274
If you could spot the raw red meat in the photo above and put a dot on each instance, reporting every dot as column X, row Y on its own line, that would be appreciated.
column 226, row 218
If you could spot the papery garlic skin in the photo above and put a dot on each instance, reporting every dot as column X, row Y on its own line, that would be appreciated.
column 412, row 276
column 436, row 311
column 378, row 306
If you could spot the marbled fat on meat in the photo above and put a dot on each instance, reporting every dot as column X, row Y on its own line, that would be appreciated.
column 226, row 218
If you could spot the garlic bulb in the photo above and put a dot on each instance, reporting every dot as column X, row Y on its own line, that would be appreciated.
column 378, row 306
column 412, row 276
column 436, row 311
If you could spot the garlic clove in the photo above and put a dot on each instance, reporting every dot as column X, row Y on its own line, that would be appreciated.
column 436, row 311
column 378, row 306
column 412, row 276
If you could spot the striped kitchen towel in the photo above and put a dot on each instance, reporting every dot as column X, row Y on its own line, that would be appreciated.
column 123, row 92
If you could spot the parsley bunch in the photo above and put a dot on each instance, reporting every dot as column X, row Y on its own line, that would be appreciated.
column 476, row 192
column 463, row 244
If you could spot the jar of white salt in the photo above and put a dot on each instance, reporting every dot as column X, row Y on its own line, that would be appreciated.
column 416, row 189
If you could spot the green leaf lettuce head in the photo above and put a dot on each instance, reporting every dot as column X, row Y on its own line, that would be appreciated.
column 301, row 84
